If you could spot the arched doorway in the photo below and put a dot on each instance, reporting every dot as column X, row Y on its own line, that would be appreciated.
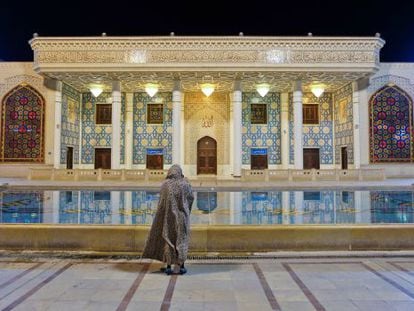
column 207, row 156
column 22, row 126
column 390, row 125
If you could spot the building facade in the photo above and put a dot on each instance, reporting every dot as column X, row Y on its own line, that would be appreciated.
column 361, row 117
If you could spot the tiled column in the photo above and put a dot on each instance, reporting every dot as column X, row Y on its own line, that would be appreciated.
column 284, row 120
column 58, row 125
column 355, row 125
column 129, row 135
column 116, row 125
column 298, row 124
column 237, row 129
column 177, row 99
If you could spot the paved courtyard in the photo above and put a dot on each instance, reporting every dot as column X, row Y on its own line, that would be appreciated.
column 334, row 283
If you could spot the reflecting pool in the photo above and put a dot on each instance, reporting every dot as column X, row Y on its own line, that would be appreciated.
column 214, row 208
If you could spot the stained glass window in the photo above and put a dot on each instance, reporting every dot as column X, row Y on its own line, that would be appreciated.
column 22, row 125
column 390, row 126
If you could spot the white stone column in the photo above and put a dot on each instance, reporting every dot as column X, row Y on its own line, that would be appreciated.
column 284, row 125
column 129, row 131
column 115, row 205
column 58, row 125
column 128, row 207
column 237, row 129
column 116, row 125
column 177, row 99
column 285, row 207
column 55, row 203
column 299, row 206
column 236, row 202
column 363, row 114
column 355, row 125
column 298, row 124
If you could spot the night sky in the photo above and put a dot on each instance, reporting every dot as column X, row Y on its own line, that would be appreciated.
column 393, row 19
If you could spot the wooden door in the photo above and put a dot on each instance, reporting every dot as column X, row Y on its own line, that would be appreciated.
column 206, row 156
column 310, row 158
column 258, row 162
column 344, row 158
column 69, row 158
column 155, row 161
column 103, row 158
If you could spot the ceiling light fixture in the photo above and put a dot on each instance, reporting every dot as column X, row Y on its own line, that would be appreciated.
column 151, row 89
column 96, row 89
column 318, row 89
column 263, row 89
column 207, row 86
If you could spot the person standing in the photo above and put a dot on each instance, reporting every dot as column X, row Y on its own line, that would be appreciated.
column 169, row 234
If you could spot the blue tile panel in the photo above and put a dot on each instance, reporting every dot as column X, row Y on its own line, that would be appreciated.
column 315, row 136
column 262, row 135
column 151, row 135
column 98, row 136
column 344, row 132
column 70, row 123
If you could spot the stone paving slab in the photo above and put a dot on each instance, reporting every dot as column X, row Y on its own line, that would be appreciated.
column 335, row 283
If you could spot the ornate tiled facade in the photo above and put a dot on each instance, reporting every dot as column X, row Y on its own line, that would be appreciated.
column 262, row 135
column 315, row 136
column 95, row 135
column 151, row 135
column 70, row 133
column 344, row 133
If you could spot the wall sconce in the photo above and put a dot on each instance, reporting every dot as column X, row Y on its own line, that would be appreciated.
column 262, row 89
column 318, row 89
column 151, row 89
column 96, row 89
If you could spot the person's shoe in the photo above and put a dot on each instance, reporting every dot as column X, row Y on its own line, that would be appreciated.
column 168, row 271
column 183, row 270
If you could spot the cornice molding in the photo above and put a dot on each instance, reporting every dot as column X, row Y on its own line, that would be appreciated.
column 238, row 52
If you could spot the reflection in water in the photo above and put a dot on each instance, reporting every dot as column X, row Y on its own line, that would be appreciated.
column 250, row 208
column 392, row 207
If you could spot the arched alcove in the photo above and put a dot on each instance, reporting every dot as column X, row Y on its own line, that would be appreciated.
column 22, row 125
column 390, row 125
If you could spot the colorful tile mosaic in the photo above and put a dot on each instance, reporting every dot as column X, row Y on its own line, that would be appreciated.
column 151, row 135
column 22, row 130
column 390, row 126
column 96, row 135
column 344, row 132
column 70, row 123
column 262, row 135
column 315, row 136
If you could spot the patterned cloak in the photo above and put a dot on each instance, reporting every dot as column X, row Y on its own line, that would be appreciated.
column 169, row 235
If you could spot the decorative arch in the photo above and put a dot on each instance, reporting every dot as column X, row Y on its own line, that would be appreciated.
column 391, row 125
column 22, row 125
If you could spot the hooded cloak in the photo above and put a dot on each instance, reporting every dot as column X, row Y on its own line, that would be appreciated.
column 169, row 235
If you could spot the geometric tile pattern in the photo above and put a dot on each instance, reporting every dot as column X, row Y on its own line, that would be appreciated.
column 22, row 132
column 390, row 125
column 151, row 135
column 262, row 135
column 315, row 136
column 98, row 135
column 70, row 124
column 344, row 133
